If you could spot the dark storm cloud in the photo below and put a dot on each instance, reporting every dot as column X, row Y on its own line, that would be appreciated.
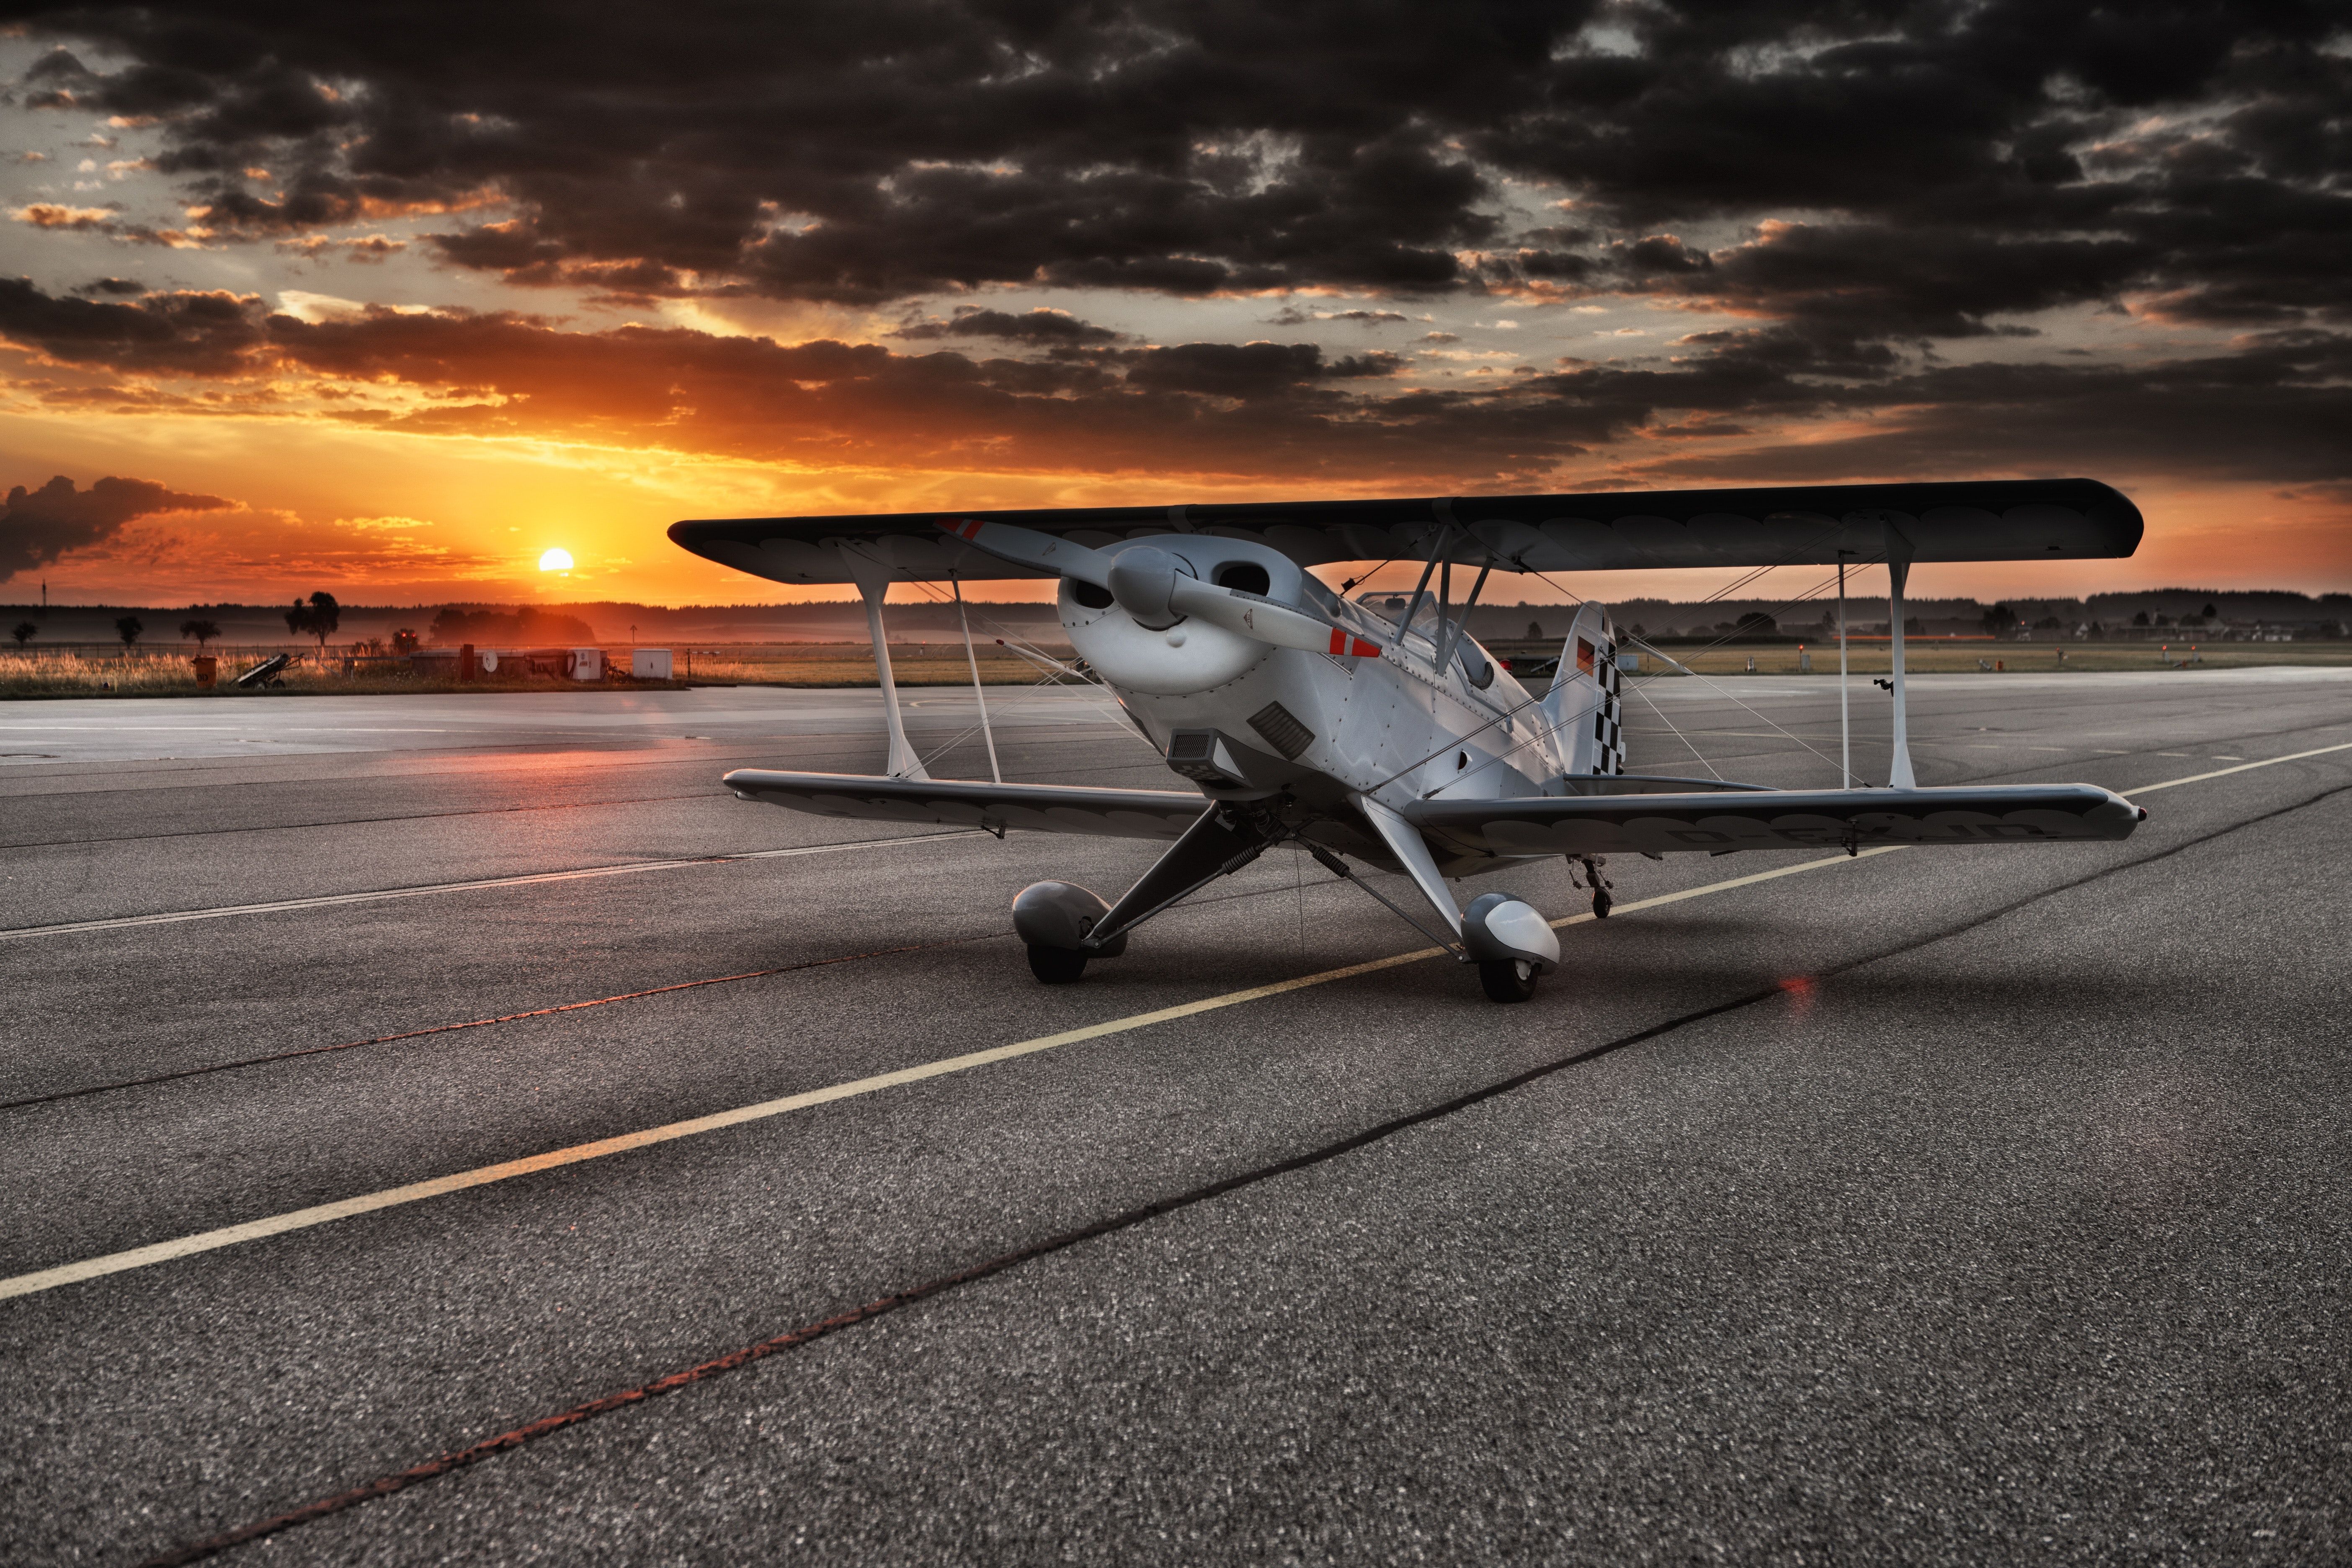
column 2192, row 149
column 1920, row 281
column 1246, row 369
column 38, row 526
column 2273, row 413
column 1039, row 328
column 182, row 333
column 1293, row 316
column 2275, row 410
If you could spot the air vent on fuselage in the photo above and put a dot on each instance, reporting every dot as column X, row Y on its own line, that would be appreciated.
column 1281, row 730
column 1245, row 576
column 1195, row 754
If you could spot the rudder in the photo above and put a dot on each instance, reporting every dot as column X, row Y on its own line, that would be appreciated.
column 1585, row 706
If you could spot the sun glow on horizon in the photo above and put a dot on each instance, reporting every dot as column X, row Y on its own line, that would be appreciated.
column 556, row 559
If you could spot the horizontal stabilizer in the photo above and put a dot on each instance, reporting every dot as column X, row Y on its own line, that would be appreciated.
column 1041, row 808
column 1716, row 822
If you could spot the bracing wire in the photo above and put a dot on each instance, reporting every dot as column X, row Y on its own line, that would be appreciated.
column 1028, row 691
column 1696, row 754
column 1707, row 681
column 1561, row 727
column 1056, row 672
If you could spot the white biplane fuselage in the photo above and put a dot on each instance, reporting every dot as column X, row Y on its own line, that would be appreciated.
column 1431, row 715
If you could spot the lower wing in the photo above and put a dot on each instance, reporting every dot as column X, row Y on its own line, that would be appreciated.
column 1044, row 808
column 1718, row 823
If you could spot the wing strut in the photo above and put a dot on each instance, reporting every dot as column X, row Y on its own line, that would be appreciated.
column 977, row 694
column 1845, row 719
column 1438, row 545
column 1404, row 842
column 873, row 577
column 1898, row 568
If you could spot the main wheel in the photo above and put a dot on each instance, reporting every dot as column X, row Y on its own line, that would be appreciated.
column 1056, row 966
column 1508, row 979
column 1602, row 903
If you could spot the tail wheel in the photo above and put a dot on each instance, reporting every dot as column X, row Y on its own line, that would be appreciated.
column 1506, row 979
column 1056, row 966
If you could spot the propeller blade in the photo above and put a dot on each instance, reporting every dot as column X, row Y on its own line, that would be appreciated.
column 1039, row 551
column 1267, row 622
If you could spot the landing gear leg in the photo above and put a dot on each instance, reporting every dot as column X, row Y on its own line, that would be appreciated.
column 1601, row 902
column 1056, row 966
column 1508, row 979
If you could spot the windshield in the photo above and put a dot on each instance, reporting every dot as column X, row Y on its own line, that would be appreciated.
column 1389, row 606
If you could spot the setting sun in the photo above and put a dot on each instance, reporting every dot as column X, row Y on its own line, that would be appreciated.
column 556, row 561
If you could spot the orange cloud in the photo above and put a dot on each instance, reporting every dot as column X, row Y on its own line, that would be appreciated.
column 50, row 214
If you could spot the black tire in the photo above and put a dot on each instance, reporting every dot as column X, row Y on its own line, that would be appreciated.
column 1602, row 903
column 1508, row 979
column 1056, row 966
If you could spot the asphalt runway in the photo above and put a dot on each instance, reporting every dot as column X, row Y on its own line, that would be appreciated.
column 1936, row 1206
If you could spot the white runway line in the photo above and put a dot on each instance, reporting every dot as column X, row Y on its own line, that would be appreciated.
column 440, row 1186
column 329, row 900
column 2241, row 768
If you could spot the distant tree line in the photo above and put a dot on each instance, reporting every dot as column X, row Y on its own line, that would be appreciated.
column 524, row 626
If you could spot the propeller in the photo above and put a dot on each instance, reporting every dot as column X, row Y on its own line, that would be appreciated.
column 1148, row 586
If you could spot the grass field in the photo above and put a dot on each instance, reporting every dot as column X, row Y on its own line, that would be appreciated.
column 161, row 673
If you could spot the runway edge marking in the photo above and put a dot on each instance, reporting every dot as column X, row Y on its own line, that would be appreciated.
column 440, row 1186
column 328, row 901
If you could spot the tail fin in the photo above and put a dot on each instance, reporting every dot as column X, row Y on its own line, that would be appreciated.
column 1585, row 705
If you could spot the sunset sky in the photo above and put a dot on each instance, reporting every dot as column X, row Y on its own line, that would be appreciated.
column 366, row 299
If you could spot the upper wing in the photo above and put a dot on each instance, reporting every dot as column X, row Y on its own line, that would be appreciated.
column 1774, row 819
column 1046, row 808
column 1988, row 520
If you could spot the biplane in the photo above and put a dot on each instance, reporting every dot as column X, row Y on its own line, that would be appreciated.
column 1375, row 730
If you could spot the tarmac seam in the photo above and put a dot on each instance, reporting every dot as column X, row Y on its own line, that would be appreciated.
column 331, row 900
column 471, row 1024
column 365, row 821
column 549, row 1010
column 548, row 1426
